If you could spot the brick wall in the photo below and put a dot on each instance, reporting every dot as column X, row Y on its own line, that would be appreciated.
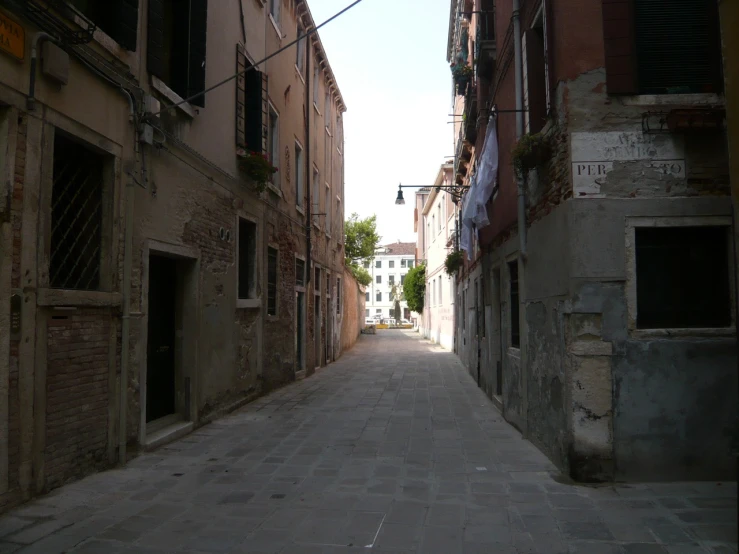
column 77, row 395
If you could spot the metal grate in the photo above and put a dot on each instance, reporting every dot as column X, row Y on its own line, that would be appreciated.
column 76, row 216
column 299, row 272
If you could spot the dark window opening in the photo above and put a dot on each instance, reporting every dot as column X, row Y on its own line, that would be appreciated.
column 367, row 296
column 378, row 279
column 176, row 45
column 391, row 264
column 515, row 306
column 391, row 280
column 536, row 77
column 317, row 279
column 682, row 277
column 76, row 216
column 677, row 46
column 378, row 296
column 299, row 272
column 338, row 296
column 119, row 19
column 247, row 259
column 271, row 281
column 378, row 264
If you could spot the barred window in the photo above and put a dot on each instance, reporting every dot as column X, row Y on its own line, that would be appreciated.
column 271, row 281
column 76, row 216
column 299, row 272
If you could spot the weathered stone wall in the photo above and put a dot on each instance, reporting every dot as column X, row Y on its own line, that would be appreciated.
column 352, row 311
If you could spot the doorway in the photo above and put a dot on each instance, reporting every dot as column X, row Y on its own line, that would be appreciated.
column 317, row 330
column 300, row 331
column 160, row 366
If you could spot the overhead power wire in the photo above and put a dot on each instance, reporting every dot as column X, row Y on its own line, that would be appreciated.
column 272, row 55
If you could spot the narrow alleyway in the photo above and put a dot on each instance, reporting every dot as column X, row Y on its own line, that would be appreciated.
column 391, row 449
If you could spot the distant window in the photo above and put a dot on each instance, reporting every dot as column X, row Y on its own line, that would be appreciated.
column 271, row 281
column 273, row 143
column 410, row 264
column 317, row 279
column 367, row 296
column 366, row 313
column 403, row 263
column 402, row 279
column 515, row 325
column 316, row 75
column 378, row 311
column 391, row 264
column 300, row 47
column 366, row 264
column 378, row 279
column 682, row 277
column 378, row 264
column 247, row 259
column 299, row 176
column 378, row 297
column 299, row 272
column 274, row 10
column 391, row 280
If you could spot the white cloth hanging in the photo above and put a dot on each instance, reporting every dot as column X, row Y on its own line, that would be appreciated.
column 486, row 176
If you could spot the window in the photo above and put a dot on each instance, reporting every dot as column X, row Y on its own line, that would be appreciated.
column 515, row 325
column 402, row 279
column 300, row 51
column 433, row 294
column 338, row 295
column 402, row 263
column 247, row 259
column 378, row 297
column 316, row 207
column 119, row 19
column 367, row 296
column 271, row 281
column 274, row 10
column 316, row 75
column 76, row 216
column 390, row 312
column 378, row 279
column 655, row 47
column 378, row 311
column 410, row 264
column 273, row 143
column 535, row 75
column 438, row 224
column 391, row 264
column 176, row 45
column 682, row 277
column 433, row 224
column 299, row 176
column 317, row 279
column 378, row 264
column 299, row 272
column 327, row 109
column 251, row 94
column 366, row 313
column 366, row 264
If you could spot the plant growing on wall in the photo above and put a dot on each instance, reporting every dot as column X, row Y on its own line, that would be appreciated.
column 531, row 151
column 257, row 167
column 414, row 288
column 453, row 262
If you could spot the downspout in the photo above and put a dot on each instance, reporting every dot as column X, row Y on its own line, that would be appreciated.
column 126, row 294
column 518, row 61
column 308, row 172
column 37, row 39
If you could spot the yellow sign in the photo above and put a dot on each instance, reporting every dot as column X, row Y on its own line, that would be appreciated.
column 12, row 37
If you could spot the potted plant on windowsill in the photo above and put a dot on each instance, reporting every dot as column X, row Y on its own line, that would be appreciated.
column 453, row 262
column 532, row 151
column 462, row 74
column 257, row 167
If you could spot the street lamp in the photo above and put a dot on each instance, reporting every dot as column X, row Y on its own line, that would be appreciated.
column 400, row 201
column 454, row 191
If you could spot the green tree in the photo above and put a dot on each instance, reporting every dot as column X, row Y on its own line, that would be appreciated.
column 360, row 242
column 414, row 288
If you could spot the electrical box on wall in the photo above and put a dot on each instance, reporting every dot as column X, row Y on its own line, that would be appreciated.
column 54, row 63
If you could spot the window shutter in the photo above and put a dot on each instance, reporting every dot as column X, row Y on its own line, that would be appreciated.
column 620, row 46
column 127, row 23
column 155, row 39
column 196, row 65
column 240, row 97
column 536, row 80
column 253, row 110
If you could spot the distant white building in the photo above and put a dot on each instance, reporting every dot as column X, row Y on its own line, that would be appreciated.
column 389, row 267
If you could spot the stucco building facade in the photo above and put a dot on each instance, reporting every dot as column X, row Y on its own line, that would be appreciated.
column 436, row 237
column 388, row 269
column 146, row 285
column 599, row 301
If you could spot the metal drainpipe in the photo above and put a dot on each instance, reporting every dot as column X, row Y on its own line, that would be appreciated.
column 126, row 296
column 518, row 60
column 37, row 39
column 308, row 173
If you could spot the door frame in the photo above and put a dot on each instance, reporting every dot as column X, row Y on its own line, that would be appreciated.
column 186, row 346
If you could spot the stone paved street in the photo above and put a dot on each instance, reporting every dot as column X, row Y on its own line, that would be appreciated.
column 391, row 449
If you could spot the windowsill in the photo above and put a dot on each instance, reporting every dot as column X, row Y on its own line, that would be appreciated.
column 106, row 41
column 276, row 27
column 172, row 96
column 77, row 298
column 274, row 190
column 696, row 99
column 300, row 210
column 514, row 351
column 684, row 333
column 300, row 73
column 315, row 107
column 316, row 225
column 261, row 2
column 248, row 303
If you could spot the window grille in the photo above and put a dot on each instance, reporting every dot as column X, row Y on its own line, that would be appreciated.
column 76, row 216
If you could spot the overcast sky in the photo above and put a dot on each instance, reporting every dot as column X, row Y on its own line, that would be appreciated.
column 389, row 58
